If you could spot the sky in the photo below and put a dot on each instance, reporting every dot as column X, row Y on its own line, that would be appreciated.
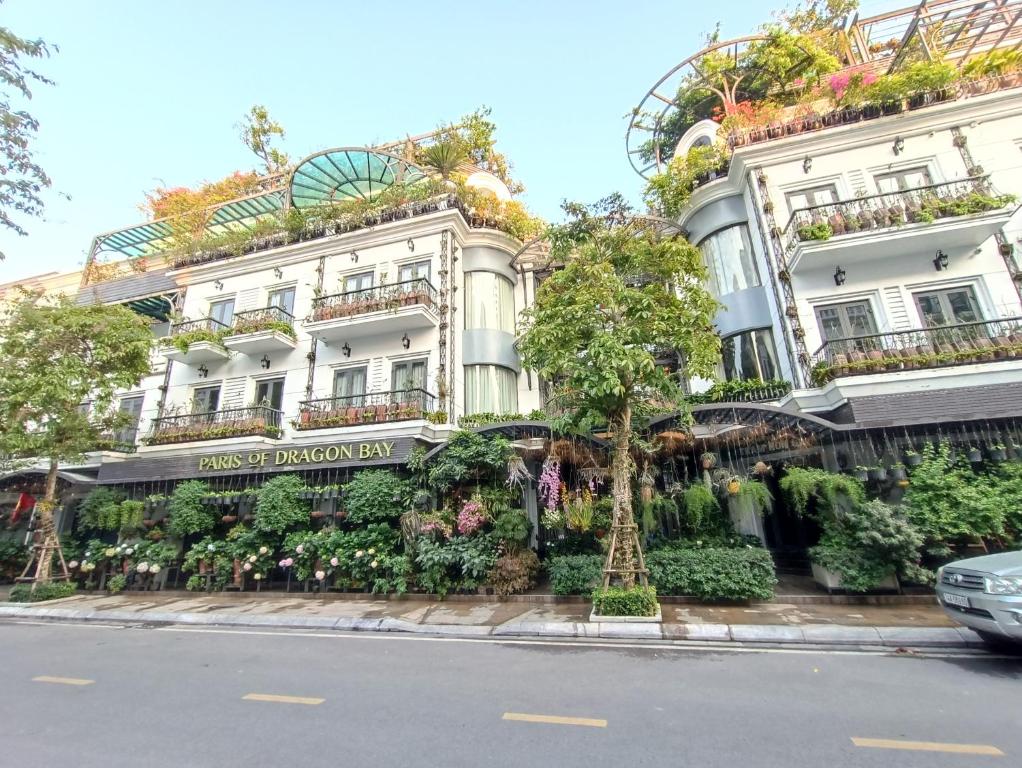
column 149, row 93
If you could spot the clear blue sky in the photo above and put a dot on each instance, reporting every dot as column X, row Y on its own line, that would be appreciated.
column 149, row 92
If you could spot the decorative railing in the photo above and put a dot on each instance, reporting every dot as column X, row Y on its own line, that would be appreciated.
column 206, row 324
column 416, row 292
column 370, row 408
column 258, row 420
column 753, row 391
column 921, row 348
column 265, row 319
column 918, row 205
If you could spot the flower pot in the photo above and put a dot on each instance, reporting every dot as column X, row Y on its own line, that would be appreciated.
column 228, row 519
column 898, row 473
column 998, row 454
column 913, row 459
column 878, row 474
column 831, row 580
column 861, row 475
column 236, row 573
column 975, row 456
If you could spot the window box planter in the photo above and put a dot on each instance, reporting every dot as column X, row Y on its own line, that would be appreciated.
column 974, row 455
column 830, row 580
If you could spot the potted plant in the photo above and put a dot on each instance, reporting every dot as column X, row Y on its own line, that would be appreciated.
column 878, row 473
column 861, row 474
column 913, row 458
column 998, row 452
column 899, row 475
column 974, row 455
column 708, row 460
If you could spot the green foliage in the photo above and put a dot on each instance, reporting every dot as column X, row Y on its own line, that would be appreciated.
column 818, row 230
column 375, row 495
column 512, row 528
column 462, row 562
column 188, row 514
column 670, row 191
column 833, row 493
column 757, row 494
column 616, row 601
column 468, row 456
column 279, row 505
column 471, row 420
column 739, row 390
column 514, row 573
column 257, row 132
column 99, row 510
column 116, row 583
column 13, row 557
column 54, row 590
column 995, row 62
column 713, row 574
column 574, row 574
column 183, row 341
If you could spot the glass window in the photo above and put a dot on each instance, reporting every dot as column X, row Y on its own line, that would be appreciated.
column 489, row 302
column 842, row 321
column 410, row 374
column 350, row 384
column 270, row 392
column 205, row 399
column 898, row 181
column 131, row 409
column 283, row 298
column 807, row 198
column 490, row 389
column 950, row 306
column 359, row 282
column 731, row 262
column 222, row 311
column 750, row 355
column 412, row 271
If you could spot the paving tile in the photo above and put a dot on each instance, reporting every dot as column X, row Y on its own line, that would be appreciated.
column 766, row 633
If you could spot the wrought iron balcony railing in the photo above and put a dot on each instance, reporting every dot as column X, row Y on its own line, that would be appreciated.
column 267, row 318
column 920, row 348
column 202, row 324
column 213, row 425
column 370, row 408
column 916, row 205
column 391, row 296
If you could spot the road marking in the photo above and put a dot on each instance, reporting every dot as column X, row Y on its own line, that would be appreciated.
column 311, row 701
column 929, row 746
column 555, row 720
column 62, row 680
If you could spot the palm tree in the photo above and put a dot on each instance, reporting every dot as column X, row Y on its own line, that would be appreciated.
column 445, row 156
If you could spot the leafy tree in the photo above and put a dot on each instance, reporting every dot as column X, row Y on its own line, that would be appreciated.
column 624, row 290
column 55, row 356
column 257, row 131
column 21, row 178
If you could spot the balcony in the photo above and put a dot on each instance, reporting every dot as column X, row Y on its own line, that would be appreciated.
column 354, row 314
column 919, row 349
column 256, row 420
column 371, row 408
column 258, row 331
column 193, row 342
column 953, row 216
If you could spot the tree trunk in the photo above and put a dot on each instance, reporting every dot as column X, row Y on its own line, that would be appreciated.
column 48, row 544
column 624, row 558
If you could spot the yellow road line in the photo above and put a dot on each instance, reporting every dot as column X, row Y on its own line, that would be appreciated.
column 311, row 701
column 929, row 746
column 62, row 680
column 555, row 719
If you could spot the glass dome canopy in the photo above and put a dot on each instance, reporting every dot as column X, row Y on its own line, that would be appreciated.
column 348, row 173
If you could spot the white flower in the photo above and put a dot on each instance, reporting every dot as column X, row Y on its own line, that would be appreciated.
column 154, row 568
column 299, row 549
column 129, row 551
column 142, row 567
column 263, row 550
column 88, row 553
column 258, row 577
column 252, row 558
column 320, row 575
column 373, row 564
column 359, row 553
column 371, row 551
column 334, row 561
column 210, row 548
column 247, row 566
column 73, row 564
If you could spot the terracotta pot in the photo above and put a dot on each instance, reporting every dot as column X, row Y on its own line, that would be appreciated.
column 236, row 573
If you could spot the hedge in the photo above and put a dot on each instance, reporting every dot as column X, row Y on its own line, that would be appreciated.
column 53, row 590
column 575, row 574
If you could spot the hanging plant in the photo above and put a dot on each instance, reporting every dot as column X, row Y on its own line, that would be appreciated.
column 188, row 514
column 517, row 473
column 708, row 460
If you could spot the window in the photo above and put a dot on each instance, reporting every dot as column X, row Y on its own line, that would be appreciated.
column 408, row 375
column 950, row 306
column 283, row 298
column 205, row 399
column 222, row 311
column 898, row 181
column 360, row 282
column 732, row 265
column 489, row 302
column 131, row 410
column 490, row 389
column 271, row 393
column 842, row 321
column 350, row 385
column 750, row 355
column 807, row 198
column 412, row 271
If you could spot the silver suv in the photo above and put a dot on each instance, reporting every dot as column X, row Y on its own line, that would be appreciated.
column 985, row 594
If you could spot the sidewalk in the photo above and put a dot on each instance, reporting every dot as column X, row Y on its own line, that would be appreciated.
column 918, row 625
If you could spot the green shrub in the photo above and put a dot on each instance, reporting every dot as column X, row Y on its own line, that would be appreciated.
column 713, row 574
column 13, row 557
column 375, row 495
column 616, row 601
column 116, row 583
column 99, row 510
column 512, row 528
column 279, row 505
column 53, row 590
column 188, row 514
column 575, row 574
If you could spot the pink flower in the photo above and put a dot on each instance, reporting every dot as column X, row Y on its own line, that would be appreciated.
column 247, row 566
column 300, row 549
column 287, row 562
column 320, row 575
column 334, row 561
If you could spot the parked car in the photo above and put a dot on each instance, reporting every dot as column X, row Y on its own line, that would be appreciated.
column 985, row 594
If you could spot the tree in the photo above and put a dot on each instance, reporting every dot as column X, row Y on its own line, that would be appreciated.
column 21, row 178
column 55, row 356
column 257, row 131
column 624, row 289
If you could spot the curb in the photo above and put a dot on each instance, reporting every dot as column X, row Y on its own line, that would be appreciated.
column 743, row 634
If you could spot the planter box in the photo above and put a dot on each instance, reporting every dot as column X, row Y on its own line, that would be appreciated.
column 654, row 619
column 831, row 580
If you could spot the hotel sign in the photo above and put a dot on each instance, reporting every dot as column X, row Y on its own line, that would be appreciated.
column 297, row 457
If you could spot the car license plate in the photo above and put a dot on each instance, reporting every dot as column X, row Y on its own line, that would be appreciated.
column 956, row 600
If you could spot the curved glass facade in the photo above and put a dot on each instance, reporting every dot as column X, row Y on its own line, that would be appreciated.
column 729, row 257
column 750, row 355
column 489, row 302
column 490, row 389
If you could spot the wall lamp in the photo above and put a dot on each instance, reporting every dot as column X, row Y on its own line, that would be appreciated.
column 203, row 371
column 405, row 341
column 346, row 350
column 218, row 284
column 278, row 272
column 899, row 145
column 265, row 362
column 839, row 276
column 411, row 245
column 807, row 164
column 940, row 261
column 354, row 257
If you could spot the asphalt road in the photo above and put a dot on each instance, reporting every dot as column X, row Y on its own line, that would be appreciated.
column 104, row 697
